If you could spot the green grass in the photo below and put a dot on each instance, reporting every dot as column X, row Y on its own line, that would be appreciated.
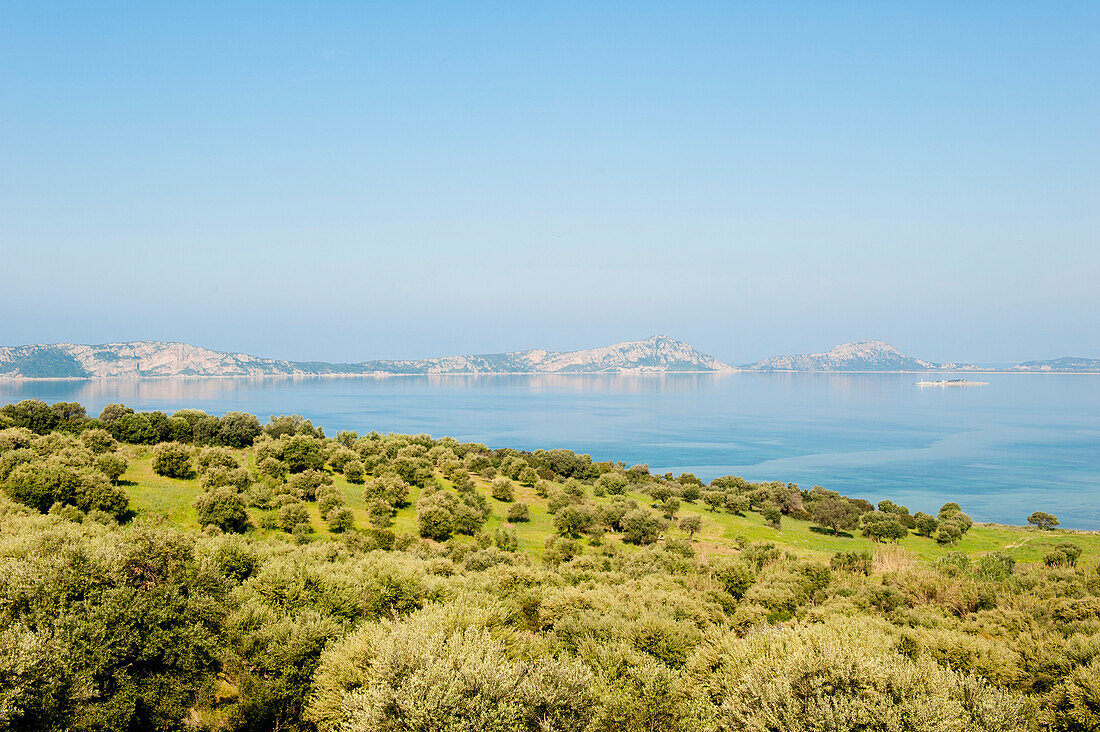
column 154, row 495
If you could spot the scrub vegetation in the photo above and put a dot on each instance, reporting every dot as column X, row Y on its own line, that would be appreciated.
column 193, row 571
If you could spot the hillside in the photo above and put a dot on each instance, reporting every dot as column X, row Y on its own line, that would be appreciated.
column 158, row 359
column 1068, row 364
column 721, row 532
column 244, row 576
column 859, row 356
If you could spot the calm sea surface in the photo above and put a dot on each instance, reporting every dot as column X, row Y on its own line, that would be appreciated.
column 1022, row 443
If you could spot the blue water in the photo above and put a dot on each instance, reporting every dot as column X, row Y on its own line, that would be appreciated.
column 1024, row 442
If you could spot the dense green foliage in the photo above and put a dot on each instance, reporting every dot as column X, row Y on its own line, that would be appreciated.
column 408, row 595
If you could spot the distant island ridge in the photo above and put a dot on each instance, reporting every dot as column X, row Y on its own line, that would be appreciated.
column 655, row 355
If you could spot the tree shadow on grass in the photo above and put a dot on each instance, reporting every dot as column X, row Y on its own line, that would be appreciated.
column 829, row 532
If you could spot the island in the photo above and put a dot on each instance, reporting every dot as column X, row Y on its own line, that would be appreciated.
column 162, row 359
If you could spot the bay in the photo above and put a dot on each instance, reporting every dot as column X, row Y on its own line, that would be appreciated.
column 1022, row 443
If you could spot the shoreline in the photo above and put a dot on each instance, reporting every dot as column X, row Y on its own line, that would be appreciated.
column 385, row 374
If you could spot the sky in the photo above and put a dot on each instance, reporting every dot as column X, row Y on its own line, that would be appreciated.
column 347, row 181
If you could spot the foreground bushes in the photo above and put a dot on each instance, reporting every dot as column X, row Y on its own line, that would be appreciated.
column 844, row 675
column 145, row 626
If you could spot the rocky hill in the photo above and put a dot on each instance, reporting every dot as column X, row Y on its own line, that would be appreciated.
column 859, row 356
column 658, row 354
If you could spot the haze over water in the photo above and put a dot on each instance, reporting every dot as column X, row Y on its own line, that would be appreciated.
column 1022, row 443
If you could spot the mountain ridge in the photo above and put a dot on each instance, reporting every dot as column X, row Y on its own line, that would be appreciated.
column 869, row 355
column 877, row 355
column 654, row 355
column 163, row 359
column 1066, row 364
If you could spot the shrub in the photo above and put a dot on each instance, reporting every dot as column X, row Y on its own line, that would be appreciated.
column 1064, row 554
column 302, row 452
column 994, row 566
column 691, row 524
column 573, row 520
column 216, row 477
column 734, row 577
column 215, row 457
column 435, row 515
column 292, row 514
column 40, row 485
column 271, row 467
column 670, row 506
column 879, row 526
column 388, row 487
column 543, row 488
column 172, row 460
column 641, row 527
column 952, row 562
column 237, row 429
column 330, row 498
column 354, row 472
column 505, row 539
column 680, row 547
column 837, row 514
column 925, row 524
column 1074, row 704
column 98, row 440
column 308, row 482
column 452, row 675
column 853, row 561
column 612, row 483
column 518, row 513
column 134, row 429
column 772, row 515
column 340, row 520
column 949, row 533
column 502, row 489
column 222, row 507
column 557, row 500
column 111, row 465
column 759, row 679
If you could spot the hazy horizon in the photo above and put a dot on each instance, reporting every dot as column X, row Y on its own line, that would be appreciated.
column 350, row 182
column 581, row 348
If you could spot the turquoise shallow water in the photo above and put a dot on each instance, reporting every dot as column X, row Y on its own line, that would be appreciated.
column 1024, row 442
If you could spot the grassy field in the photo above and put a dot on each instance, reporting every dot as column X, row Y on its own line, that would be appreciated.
column 153, row 495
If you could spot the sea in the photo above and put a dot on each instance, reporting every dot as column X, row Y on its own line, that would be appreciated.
column 1021, row 443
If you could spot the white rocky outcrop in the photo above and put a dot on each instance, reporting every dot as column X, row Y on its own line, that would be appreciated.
column 858, row 356
column 659, row 354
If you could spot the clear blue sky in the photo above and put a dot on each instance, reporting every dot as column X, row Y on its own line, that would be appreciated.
column 344, row 181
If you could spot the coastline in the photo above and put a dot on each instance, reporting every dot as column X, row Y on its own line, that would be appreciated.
column 389, row 374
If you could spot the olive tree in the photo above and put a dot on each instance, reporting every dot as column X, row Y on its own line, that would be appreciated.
column 223, row 507
column 1043, row 520
column 835, row 513
column 172, row 460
